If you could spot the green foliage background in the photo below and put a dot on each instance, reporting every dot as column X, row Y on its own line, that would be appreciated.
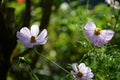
column 68, row 44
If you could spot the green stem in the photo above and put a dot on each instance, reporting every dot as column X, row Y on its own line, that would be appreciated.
column 86, row 54
column 117, row 18
column 32, row 74
column 87, row 5
column 52, row 61
column 83, row 57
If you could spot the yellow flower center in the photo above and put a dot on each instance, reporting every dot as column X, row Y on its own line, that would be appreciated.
column 97, row 31
column 33, row 39
column 79, row 74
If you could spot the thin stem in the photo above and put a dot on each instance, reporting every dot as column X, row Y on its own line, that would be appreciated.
column 32, row 74
column 83, row 57
column 117, row 18
column 86, row 54
column 87, row 5
column 51, row 61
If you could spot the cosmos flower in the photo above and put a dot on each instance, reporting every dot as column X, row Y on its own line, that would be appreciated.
column 30, row 38
column 81, row 72
column 97, row 36
column 113, row 3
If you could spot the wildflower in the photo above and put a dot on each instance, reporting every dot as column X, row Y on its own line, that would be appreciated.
column 113, row 3
column 64, row 6
column 96, row 35
column 30, row 38
column 81, row 72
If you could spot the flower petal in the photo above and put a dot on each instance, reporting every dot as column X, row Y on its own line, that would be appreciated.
column 89, row 33
column 34, row 30
column 42, row 35
column 21, row 36
column 108, row 1
column 74, row 66
column 24, row 37
column 89, row 28
column 90, row 74
column 98, row 40
column 74, row 74
column 107, row 34
column 29, row 45
column 103, row 38
column 82, row 68
column 116, row 5
column 26, row 43
column 41, row 41
column 26, row 32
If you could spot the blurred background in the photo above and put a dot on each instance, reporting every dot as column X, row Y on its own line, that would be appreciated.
column 67, row 43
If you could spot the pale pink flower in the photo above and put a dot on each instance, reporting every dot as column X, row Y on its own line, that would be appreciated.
column 31, row 37
column 96, row 35
column 113, row 3
column 81, row 72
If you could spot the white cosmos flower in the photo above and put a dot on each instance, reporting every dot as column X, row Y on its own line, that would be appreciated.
column 31, row 37
column 113, row 3
column 96, row 35
column 81, row 72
